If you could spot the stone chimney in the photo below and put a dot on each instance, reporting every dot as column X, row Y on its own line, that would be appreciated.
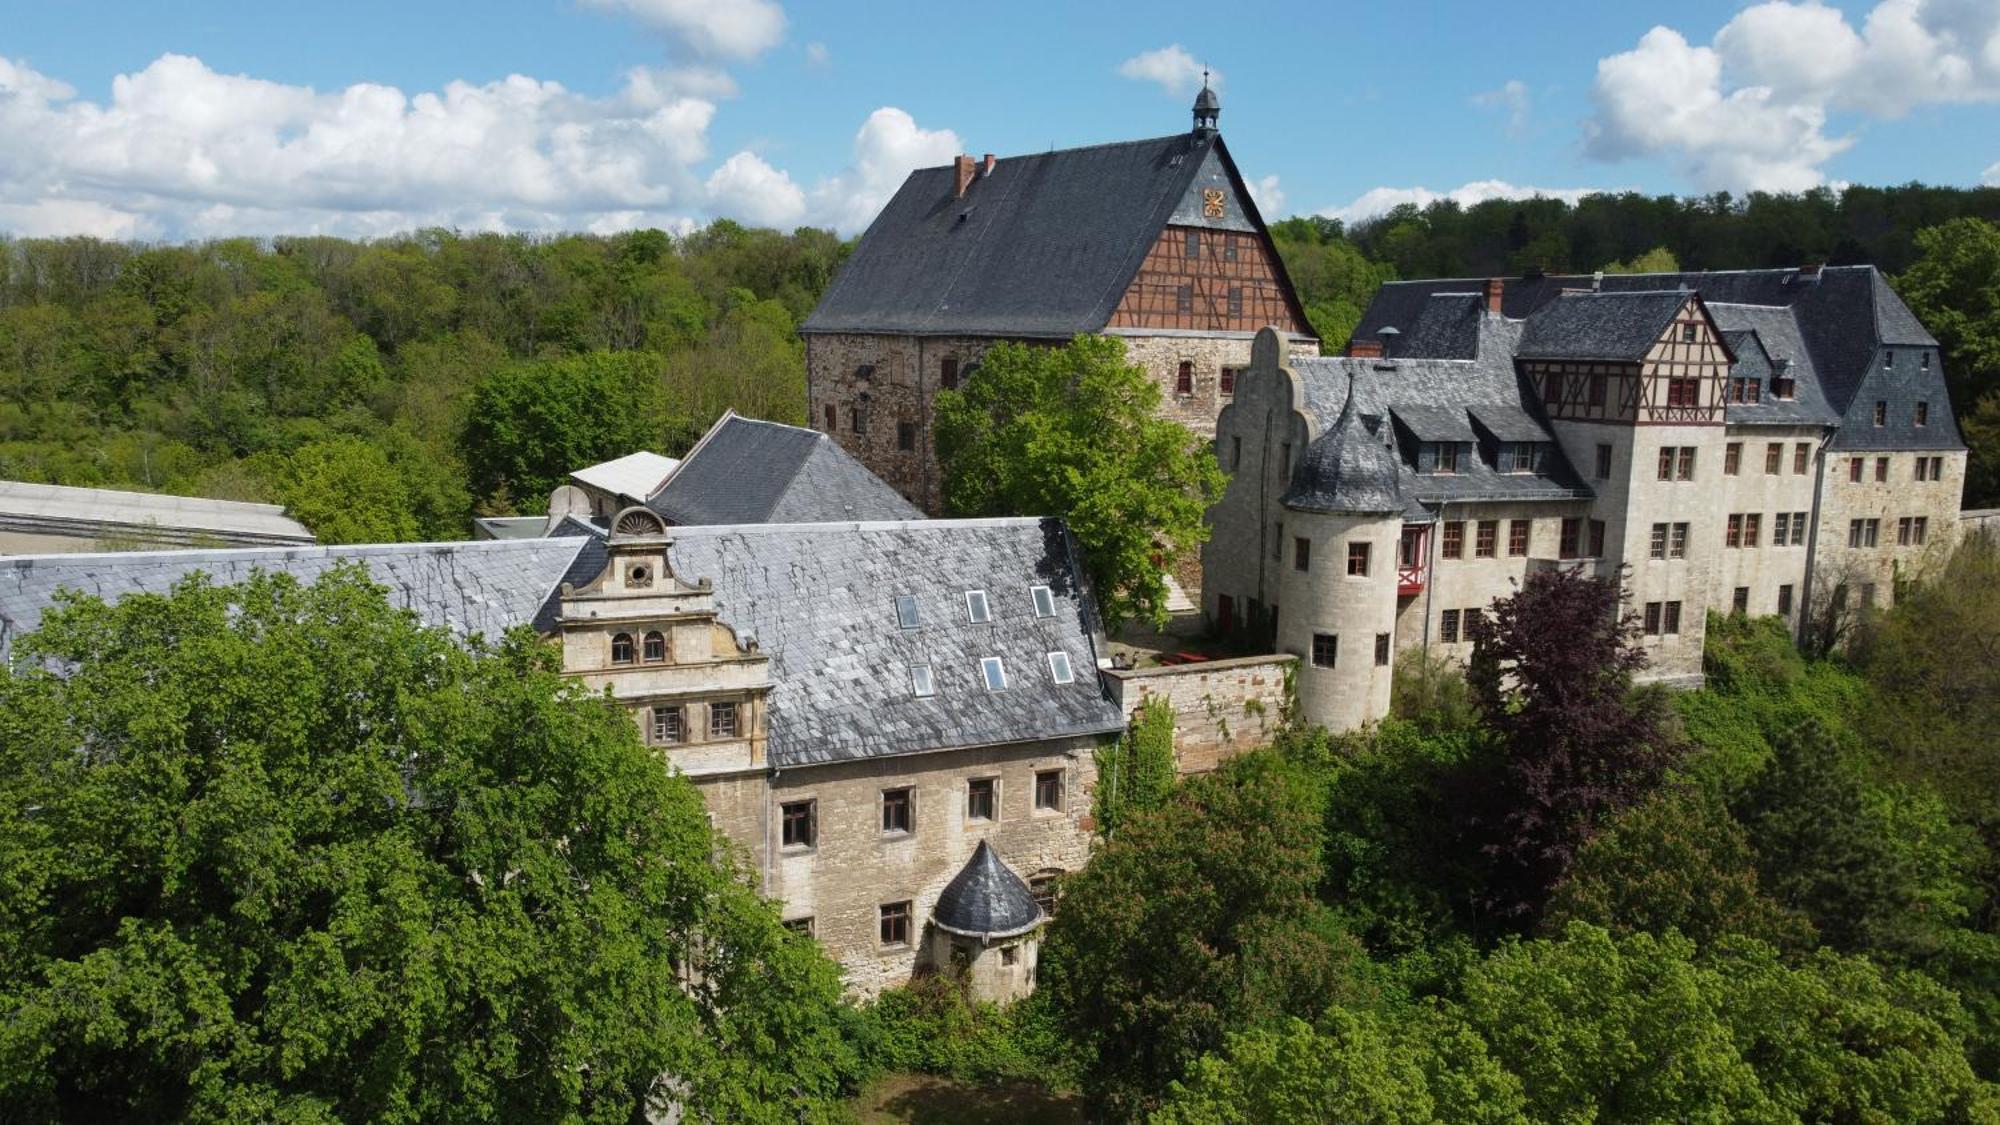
column 1810, row 271
column 986, row 166
column 1496, row 288
column 962, row 166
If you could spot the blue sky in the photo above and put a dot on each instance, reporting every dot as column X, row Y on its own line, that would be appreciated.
column 201, row 117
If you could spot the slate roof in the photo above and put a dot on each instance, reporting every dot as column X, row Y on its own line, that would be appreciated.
column 1346, row 469
column 820, row 600
column 483, row 587
column 1761, row 336
column 1616, row 326
column 1044, row 245
column 53, row 509
column 986, row 900
column 749, row 471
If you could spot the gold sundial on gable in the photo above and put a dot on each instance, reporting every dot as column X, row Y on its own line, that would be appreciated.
column 1211, row 203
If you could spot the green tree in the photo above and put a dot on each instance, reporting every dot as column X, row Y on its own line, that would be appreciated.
column 1954, row 288
column 1073, row 432
column 1657, row 260
column 275, row 851
column 346, row 491
column 530, row 425
column 1138, row 771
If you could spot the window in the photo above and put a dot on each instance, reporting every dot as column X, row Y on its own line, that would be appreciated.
column 1278, row 541
column 1867, row 595
column 1517, row 538
column 976, row 609
column 1785, row 601
column 669, row 725
column 1049, row 790
column 1235, row 301
column 1801, row 457
column 800, row 926
column 896, row 810
column 1521, row 457
column 1687, row 334
column 1732, row 458
column 1924, row 360
column 1326, row 650
column 979, row 793
column 1225, row 613
column 1059, row 669
column 995, row 673
column 639, row 578
column 906, row 611
column 1881, row 412
column 1285, row 458
column 1596, row 539
column 1683, row 391
column 1381, row 650
column 1658, row 547
column 948, row 372
column 1011, row 953
column 1473, row 619
column 1193, row 247
column 1734, row 536
column 1552, row 392
column 1677, row 546
column 906, row 436
column 655, row 647
column 1783, row 386
column 1671, row 620
column 1779, row 524
column 1302, row 553
column 1235, row 452
column 1888, row 360
column 922, row 684
column 1043, row 887
column 1227, row 383
column 621, row 648
column 1652, row 620
column 1686, row 469
column 1923, row 414
column 1753, row 529
column 1184, row 378
column 1598, row 385
column 1918, row 528
column 1184, row 298
column 722, row 720
column 1448, row 626
column 858, row 415
column 1910, row 531
column 1903, row 532
column 1357, row 560
column 1739, row 601
column 1798, row 529
column 895, row 923
column 1774, row 458
column 796, row 823
column 1863, row 533
column 1044, row 599
column 1571, row 543
column 1453, row 546
column 1666, row 462
column 832, row 423
column 1488, row 539
column 1603, row 462
column 1446, row 457
column 1854, row 469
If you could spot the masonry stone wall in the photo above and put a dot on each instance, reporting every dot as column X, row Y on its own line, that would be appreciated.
column 1324, row 600
column 853, row 867
column 1772, row 573
column 1468, row 582
column 1900, row 496
column 1221, row 707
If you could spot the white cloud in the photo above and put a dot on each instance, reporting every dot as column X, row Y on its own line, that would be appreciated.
column 1376, row 202
column 739, row 29
column 1751, row 110
column 818, row 56
column 1170, row 66
column 1991, row 177
column 749, row 189
column 1269, row 196
column 1511, row 96
column 888, row 146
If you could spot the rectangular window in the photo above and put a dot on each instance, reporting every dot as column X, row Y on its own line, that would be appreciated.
column 1235, row 301
column 979, row 794
column 1448, row 626
column 948, row 372
column 1228, row 247
column 669, row 725
column 1302, row 553
column 1923, row 414
column 1666, row 462
column 1381, row 650
column 1854, row 532
column 1044, row 599
column 906, row 611
column 1603, row 462
column 800, row 926
column 895, row 923
column 1521, row 457
column 1596, row 539
column 1919, row 529
column 1184, row 378
column 976, row 610
column 1732, row 458
column 1278, row 541
column 995, row 673
column 1598, row 385
column 1881, row 412
column 1867, row 595
column 1780, row 524
column 1739, row 601
column 1453, row 546
column 1854, row 469
column 1658, row 548
column 1784, row 387
column 1652, row 621
column 1326, row 649
column 1285, row 459
column 1227, row 383
column 1753, row 530
column 1193, row 245
column 1798, row 529
column 1801, row 457
column 1447, row 457
column 1571, row 544
column 1517, row 538
column 1903, row 531
column 1059, row 668
column 796, row 827
column 1888, row 360
column 1357, row 560
column 1472, row 621
column 1686, row 470
column 922, row 684
column 1677, row 546
column 1235, row 452
column 906, row 436
column 1774, row 458
column 896, row 810
column 1687, row 334
column 1049, row 790
column 1488, row 539
column 1881, row 469
column 722, row 720
column 1184, row 298
column 1670, row 621
column 1785, row 601
column 1734, row 536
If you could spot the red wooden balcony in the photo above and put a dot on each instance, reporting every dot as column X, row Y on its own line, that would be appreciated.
column 1410, row 580
column 1411, row 560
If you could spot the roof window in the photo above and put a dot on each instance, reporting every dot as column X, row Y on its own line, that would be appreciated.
column 976, row 610
column 995, row 673
column 1045, row 601
column 906, row 611
column 922, row 684
column 1059, row 669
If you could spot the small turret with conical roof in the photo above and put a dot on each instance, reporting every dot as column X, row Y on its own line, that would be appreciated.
column 1207, row 108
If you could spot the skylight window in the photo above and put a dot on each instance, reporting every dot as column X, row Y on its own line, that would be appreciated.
column 995, row 673
column 975, row 607
column 921, row 684
column 906, row 611
column 1059, row 668
column 1045, row 601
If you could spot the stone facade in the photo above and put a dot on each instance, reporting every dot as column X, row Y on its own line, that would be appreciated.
column 1221, row 707
column 1869, row 559
column 874, row 394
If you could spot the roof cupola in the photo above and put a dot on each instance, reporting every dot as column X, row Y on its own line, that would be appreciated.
column 1207, row 107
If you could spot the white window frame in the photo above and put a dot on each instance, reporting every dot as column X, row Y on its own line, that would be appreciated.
column 916, row 618
column 1044, row 599
column 983, row 615
column 991, row 667
column 923, row 682
column 1060, row 669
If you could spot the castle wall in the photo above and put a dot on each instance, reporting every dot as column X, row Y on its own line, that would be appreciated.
column 1470, row 582
column 1888, row 501
column 1221, row 707
column 1766, row 568
column 1324, row 600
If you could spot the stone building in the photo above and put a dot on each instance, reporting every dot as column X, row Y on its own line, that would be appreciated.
column 1156, row 242
column 1762, row 442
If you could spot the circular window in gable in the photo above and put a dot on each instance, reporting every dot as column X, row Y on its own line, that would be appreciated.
column 639, row 577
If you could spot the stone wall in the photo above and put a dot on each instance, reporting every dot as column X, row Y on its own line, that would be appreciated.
column 1221, row 707
column 1901, row 495
column 1772, row 574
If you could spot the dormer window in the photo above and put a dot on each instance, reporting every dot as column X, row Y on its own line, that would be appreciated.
column 1519, row 456
column 1924, row 360
column 1444, row 456
column 1888, row 360
column 976, row 610
column 621, row 648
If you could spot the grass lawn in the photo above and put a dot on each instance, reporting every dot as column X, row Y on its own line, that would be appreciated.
column 918, row 1099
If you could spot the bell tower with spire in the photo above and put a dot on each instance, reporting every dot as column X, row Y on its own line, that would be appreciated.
column 1207, row 107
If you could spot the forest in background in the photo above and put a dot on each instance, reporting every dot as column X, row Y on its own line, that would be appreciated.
column 391, row 389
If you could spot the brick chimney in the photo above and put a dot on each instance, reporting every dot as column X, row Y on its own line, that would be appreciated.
column 962, row 166
column 1495, row 289
column 1364, row 349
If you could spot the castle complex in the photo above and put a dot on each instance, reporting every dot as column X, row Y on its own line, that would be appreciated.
column 1759, row 442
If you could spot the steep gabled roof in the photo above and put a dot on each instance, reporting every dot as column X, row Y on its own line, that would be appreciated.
column 749, row 471
column 1616, row 326
column 986, row 900
column 1044, row 245
column 1766, row 341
